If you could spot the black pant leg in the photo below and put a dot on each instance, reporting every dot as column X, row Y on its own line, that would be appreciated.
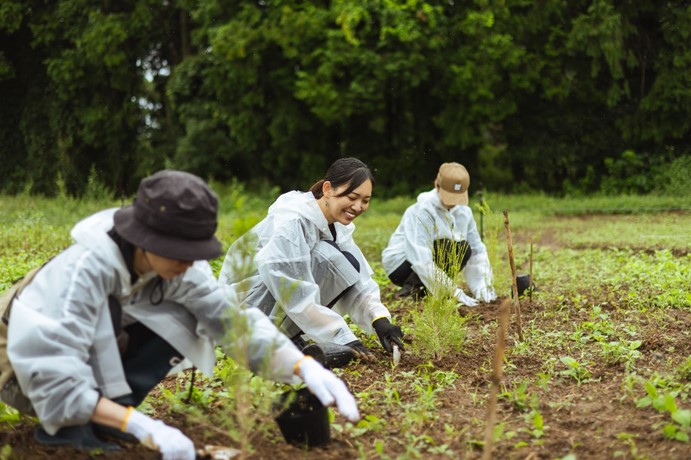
column 401, row 274
column 451, row 256
column 146, row 362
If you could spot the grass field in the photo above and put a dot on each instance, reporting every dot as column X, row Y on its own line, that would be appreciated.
column 603, row 369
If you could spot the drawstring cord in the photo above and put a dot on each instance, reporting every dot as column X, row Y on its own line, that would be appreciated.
column 157, row 287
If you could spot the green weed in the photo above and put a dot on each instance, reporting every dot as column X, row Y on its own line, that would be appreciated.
column 6, row 452
column 577, row 370
column 520, row 398
column 665, row 402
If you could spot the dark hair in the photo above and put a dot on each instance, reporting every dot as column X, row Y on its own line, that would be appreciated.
column 344, row 171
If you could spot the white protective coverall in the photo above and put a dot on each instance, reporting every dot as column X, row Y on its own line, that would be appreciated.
column 426, row 221
column 61, row 341
column 285, row 257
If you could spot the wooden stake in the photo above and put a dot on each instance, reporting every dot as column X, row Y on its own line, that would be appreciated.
column 497, row 362
column 193, row 373
column 530, row 278
column 516, row 301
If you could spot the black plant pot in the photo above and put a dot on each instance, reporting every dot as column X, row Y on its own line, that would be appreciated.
column 523, row 284
column 305, row 422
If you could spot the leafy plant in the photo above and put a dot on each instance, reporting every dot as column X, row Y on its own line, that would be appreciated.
column 576, row 370
column 625, row 352
column 536, row 423
column 665, row 402
column 684, row 370
column 439, row 329
column 521, row 399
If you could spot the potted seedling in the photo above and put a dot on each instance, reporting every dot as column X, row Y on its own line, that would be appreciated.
column 303, row 419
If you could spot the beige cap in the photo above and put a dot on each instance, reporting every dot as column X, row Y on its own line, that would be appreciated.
column 453, row 181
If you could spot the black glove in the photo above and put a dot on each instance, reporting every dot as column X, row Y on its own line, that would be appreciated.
column 360, row 350
column 388, row 333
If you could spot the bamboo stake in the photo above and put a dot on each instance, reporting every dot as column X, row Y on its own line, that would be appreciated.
column 193, row 373
column 516, row 301
column 530, row 278
column 497, row 362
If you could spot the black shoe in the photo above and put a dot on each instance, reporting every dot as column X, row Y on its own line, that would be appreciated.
column 107, row 431
column 315, row 352
column 330, row 355
column 419, row 292
column 403, row 292
column 410, row 290
column 79, row 437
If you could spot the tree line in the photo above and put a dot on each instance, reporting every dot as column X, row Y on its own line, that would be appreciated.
column 556, row 96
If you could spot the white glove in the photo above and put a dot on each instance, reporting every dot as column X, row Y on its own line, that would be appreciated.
column 465, row 299
column 486, row 294
column 328, row 388
column 478, row 276
column 156, row 435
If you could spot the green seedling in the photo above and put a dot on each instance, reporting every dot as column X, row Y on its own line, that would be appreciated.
column 369, row 423
column 536, row 423
column 520, row 398
column 578, row 371
column 683, row 371
column 9, row 416
column 630, row 440
column 680, row 426
column 625, row 352
column 6, row 452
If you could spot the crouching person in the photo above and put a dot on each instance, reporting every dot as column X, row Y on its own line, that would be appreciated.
column 436, row 238
column 301, row 266
column 91, row 332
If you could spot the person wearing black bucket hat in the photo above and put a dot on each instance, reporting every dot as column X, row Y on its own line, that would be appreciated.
column 174, row 215
column 305, row 271
column 437, row 236
column 92, row 331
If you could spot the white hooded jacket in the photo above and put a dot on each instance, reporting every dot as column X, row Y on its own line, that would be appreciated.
column 277, row 253
column 61, row 342
column 428, row 220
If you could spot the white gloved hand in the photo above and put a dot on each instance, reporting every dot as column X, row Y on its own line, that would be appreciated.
column 478, row 276
column 328, row 388
column 169, row 441
column 465, row 299
column 486, row 294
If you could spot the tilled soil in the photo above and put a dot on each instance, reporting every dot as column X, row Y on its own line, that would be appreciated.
column 592, row 420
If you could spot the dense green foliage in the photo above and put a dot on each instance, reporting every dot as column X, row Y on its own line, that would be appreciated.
column 578, row 96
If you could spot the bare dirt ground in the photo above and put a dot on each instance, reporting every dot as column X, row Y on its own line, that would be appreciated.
column 593, row 420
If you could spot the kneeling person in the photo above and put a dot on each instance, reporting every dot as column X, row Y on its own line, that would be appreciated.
column 302, row 267
column 103, row 322
column 436, row 238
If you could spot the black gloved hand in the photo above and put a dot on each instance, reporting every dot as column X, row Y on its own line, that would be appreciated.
column 388, row 333
column 360, row 350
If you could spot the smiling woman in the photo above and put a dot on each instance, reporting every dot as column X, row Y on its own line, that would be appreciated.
column 306, row 270
column 346, row 191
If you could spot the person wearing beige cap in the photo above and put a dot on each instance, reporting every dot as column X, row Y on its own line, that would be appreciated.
column 435, row 234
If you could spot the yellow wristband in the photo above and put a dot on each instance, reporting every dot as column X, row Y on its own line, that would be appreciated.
column 379, row 317
column 296, row 368
column 127, row 417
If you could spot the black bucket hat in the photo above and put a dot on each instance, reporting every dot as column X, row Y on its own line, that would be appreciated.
column 173, row 216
